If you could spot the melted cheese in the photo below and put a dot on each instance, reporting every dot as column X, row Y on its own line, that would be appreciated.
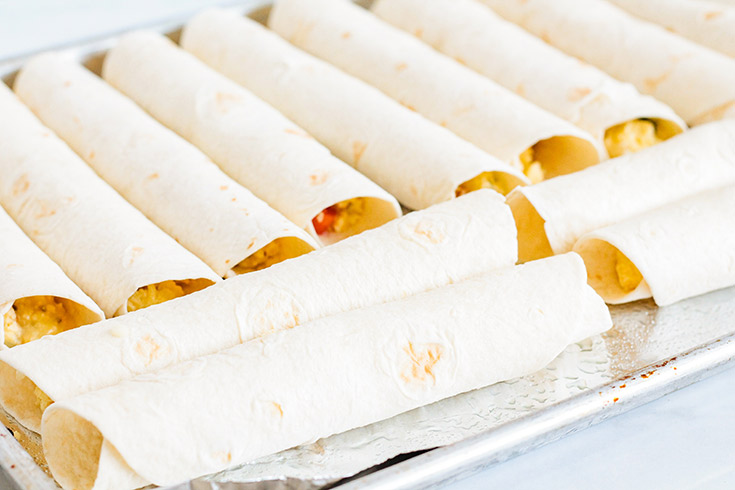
column 154, row 294
column 496, row 181
column 532, row 168
column 265, row 257
column 629, row 277
column 33, row 317
column 631, row 136
column 348, row 214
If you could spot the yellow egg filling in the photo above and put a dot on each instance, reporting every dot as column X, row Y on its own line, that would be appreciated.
column 161, row 292
column 265, row 257
column 629, row 277
column 532, row 168
column 497, row 181
column 631, row 136
column 35, row 316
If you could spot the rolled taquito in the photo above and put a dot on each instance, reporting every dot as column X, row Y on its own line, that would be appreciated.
column 36, row 297
column 417, row 161
column 161, row 174
column 475, row 108
column 107, row 247
column 321, row 378
column 615, row 113
column 552, row 215
column 423, row 250
column 251, row 141
column 683, row 249
column 707, row 23
column 698, row 83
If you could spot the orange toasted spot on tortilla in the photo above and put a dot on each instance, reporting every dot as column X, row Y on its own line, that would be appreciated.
column 463, row 110
column 91, row 155
column 44, row 210
column 521, row 90
column 358, row 148
column 298, row 132
column 318, row 178
column 401, row 66
column 418, row 32
column 422, row 361
column 653, row 83
column 461, row 60
column 408, row 106
column 431, row 232
column 251, row 244
column 67, row 83
column 346, row 35
column 279, row 408
column 148, row 349
column 223, row 187
column 21, row 185
column 712, row 15
column 578, row 93
column 153, row 176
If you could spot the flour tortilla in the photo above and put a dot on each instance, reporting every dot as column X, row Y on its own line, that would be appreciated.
column 698, row 83
column 100, row 241
column 168, row 179
column 27, row 272
column 580, row 93
column 475, row 108
column 250, row 140
column 552, row 215
column 421, row 251
column 707, row 23
column 682, row 249
column 417, row 161
column 324, row 377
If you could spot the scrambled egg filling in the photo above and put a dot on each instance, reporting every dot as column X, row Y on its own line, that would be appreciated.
column 340, row 217
column 265, row 257
column 496, row 181
column 531, row 167
column 631, row 136
column 629, row 277
column 33, row 317
column 154, row 294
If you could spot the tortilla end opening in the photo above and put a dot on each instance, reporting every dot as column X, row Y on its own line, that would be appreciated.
column 499, row 181
column 533, row 243
column 610, row 272
column 64, row 315
column 18, row 396
column 561, row 155
column 618, row 142
column 160, row 292
column 73, row 447
column 368, row 213
column 276, row 251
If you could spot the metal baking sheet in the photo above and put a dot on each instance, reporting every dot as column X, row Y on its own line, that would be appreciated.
column 648, row 353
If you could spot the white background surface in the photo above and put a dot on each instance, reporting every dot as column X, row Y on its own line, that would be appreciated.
column 683, row 441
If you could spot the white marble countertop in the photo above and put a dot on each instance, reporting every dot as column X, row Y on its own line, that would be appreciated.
column 683, row 441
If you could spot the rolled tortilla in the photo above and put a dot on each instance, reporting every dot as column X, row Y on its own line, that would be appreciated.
column 477, row 109
column 423, row 250
column 552, row 215
column 698, row 83
column 615, row 113
column 677, row 251
column 322, row 378
column 36, row 297
column 707, row 23
column 118, row 257
column 415, row 160
column 250, row 140
column 168, row 179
